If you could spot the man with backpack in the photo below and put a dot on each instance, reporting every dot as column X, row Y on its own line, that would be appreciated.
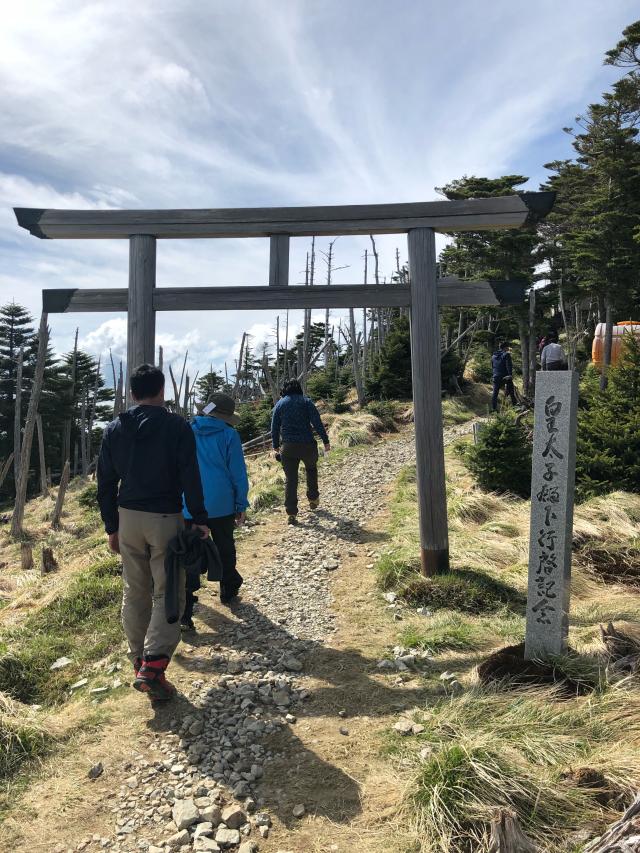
column 147, row 461
column 293, row 422
column 502, row 367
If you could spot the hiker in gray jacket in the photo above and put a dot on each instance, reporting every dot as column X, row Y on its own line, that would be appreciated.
column 553, row 357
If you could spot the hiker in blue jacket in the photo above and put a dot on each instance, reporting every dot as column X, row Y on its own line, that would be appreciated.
column 502, row 367
column 225, row 485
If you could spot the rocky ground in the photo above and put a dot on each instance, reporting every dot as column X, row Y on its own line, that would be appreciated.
column 194, row 782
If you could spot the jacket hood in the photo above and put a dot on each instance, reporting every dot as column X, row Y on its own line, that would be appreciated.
column 141, row 417
column 207, row 426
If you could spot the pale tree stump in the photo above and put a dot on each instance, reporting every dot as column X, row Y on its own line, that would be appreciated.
column 507, row 836
column 49, row 562
column 26, row 556
column 623, row 836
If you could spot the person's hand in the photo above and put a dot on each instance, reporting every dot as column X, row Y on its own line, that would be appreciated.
column 241, row 517
column 327, row 448
column 204, row 530
column 114, row 542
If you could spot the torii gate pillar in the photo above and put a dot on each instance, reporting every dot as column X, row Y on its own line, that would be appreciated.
column 141, row 316
column 427, row 402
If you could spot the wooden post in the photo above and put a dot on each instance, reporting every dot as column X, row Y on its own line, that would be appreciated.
column 427, row 402
column 26, row 557
column 279, row 261
column 141, row 318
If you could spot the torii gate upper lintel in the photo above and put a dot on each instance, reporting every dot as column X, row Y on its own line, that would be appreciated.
column 423, row 296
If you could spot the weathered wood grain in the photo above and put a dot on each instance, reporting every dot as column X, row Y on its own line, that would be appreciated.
column 279, row 261
column 141, row 319
column 458, row 215
column 427, row 405
column 450, row 291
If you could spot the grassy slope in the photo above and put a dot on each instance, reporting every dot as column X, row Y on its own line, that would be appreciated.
column 481, row 747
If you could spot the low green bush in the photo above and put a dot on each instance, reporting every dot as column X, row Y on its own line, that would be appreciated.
column 501, row 460
column 385, row 411
column 88, row 497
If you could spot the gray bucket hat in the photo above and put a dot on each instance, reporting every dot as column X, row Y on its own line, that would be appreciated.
column 220, row 406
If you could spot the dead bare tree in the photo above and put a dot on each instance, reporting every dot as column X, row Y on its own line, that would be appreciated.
column 355, row 346
column 44, row 486
column 4, row 468
column 17, row 419
column 66, row 443
column 27, row 440
column 62, row 490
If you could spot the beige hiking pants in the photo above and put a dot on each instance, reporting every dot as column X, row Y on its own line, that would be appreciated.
column 143, row 542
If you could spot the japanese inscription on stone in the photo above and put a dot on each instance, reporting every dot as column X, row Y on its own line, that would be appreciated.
column 552, row 492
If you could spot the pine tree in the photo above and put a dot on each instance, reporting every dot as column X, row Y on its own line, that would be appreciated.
column 608, row 448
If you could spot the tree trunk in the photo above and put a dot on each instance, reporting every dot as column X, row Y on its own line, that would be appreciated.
column 507, row 836
column 83, row 433
column 622, row 836
column 4, row 469
column 49, row 562
column 44, row 487
column 66, row 443
column 608, row 341
column 62, row 490
column 357, row 375
column 533, row 364
column 524, row 352
column 17, row 419
column 27, row 439
column 26, row 557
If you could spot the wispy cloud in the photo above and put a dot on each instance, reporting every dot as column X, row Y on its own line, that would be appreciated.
column 249, row 102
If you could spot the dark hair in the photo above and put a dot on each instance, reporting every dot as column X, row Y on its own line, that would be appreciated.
column 146, row 381
column 504, row 345
column 291, row 386
column 552, row 336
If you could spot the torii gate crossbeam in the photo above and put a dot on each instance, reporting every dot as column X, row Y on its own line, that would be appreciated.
column 424, row 295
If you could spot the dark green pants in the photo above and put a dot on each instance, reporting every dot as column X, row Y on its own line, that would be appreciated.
column 292, row 455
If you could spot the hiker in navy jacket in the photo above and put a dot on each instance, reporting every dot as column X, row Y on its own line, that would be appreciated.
column 225, row 485
column 502, row 367
column 293, row 422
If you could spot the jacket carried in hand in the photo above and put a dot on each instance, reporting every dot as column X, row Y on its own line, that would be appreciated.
column 222, row 468
column 501, row 364
column 293, row 420
column 197, row 556
column 147, row 461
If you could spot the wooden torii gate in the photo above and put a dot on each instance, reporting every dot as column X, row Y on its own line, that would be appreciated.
column 424, row 295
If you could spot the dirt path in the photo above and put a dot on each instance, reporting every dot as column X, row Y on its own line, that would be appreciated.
column 281, row 708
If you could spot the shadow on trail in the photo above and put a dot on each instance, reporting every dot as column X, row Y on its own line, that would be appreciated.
column 348, row 691
column 345, row 528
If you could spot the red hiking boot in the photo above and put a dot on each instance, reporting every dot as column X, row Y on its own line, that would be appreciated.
column 151, row 678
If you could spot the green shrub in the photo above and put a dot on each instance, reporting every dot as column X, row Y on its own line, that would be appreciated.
column 321, row 384
column 391, row 377
column 385, row 411
column 608, row 447
column 88, row 497
column 501, row 460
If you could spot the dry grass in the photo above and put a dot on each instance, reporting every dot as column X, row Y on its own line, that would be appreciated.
column 492, row 748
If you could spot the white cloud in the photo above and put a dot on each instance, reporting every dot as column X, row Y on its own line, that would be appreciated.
column 156, row 104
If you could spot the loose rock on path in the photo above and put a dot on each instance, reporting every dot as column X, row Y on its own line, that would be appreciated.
column 198, row 785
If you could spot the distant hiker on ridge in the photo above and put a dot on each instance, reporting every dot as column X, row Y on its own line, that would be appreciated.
column 147, row 460
column 502, row 367
column 225, row 484
column 293, row 421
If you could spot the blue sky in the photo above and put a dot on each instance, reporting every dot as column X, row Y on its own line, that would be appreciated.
column 242, row 102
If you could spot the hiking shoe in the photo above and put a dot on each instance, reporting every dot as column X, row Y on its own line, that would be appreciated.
column 314, row 504
column 228, row 593
column 136, row 666
column 151, row 679
column 292, row 519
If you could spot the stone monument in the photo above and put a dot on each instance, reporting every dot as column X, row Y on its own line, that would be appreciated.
column 552, row 495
